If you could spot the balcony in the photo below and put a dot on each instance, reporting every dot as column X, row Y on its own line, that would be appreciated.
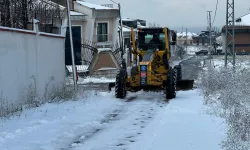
column 103, row 38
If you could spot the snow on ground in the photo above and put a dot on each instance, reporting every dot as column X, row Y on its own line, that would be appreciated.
column 181, row 125
column 192, row 49
column 101, row 122
column 88, row 79
column 95, row 80
column 241, row 61
column 55, row 126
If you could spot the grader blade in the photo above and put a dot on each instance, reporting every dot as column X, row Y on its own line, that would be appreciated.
column 185, row 85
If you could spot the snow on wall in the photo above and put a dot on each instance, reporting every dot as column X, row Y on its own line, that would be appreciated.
column 25, row 54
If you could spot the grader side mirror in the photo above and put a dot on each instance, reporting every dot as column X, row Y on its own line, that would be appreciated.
column 173, row 38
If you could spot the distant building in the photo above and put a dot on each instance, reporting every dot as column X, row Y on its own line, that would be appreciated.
column 184, row 38
column 204, row 39
column 242, row 35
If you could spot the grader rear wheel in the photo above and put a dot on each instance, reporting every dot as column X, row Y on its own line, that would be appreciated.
column 120, row 85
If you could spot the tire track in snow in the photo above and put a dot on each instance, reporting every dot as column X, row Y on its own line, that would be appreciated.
column 137, row 114
column 81, row 138
column 108, row 119
column 139, row 124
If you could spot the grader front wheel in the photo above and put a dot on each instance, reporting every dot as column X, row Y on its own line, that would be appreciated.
column 171, row 84
column 120, row 85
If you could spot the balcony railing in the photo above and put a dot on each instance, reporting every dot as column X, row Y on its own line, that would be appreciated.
column 102, row 38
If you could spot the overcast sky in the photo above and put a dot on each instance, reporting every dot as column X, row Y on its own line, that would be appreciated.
column 190, row 14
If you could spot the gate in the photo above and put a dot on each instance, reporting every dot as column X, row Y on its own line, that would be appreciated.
column 89, row 52
column 116, row 50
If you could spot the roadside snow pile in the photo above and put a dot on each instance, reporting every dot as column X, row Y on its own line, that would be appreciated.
column 95, row 80
column 226, row 91
column 86, row 80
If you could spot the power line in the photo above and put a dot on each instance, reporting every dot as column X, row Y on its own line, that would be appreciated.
column 215, row 11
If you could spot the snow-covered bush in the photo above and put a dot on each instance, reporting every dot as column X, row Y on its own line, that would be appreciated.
column 7, row 109
column 227, row 91
column 30, row 97
column 62, row 93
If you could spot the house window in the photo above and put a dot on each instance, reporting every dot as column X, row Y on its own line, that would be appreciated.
column 102, row 32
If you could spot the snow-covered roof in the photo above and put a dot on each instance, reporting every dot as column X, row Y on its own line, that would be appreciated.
column 244, row 20
column 127, row 19
column 186, row 34
column 75, row 13
column 49, row 3
column 93, row 6
column 126, row 28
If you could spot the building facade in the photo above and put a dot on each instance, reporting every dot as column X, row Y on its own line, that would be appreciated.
column 242, row 35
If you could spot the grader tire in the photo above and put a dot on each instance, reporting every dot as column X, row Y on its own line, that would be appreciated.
column 179, row 72
column 120, row 85
column 171, row 84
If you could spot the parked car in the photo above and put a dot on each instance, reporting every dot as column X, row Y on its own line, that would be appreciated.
column 204, row 52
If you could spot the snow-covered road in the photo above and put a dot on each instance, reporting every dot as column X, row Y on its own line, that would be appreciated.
column 101, row 122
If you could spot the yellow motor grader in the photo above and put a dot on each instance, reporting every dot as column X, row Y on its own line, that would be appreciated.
column 151, row 68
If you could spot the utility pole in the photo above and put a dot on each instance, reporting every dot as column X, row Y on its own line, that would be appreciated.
column 230, row 34
column 210, row 30
column 71, row 45
column 122, row 47
column 122, row 41
column 186, row 39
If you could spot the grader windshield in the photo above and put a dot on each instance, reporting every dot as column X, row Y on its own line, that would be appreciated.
column 151, row 39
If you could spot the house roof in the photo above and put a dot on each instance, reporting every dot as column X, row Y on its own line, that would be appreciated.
column 243, row 20
column 75, row 13
column 50, row 3
column 242, row 24
column 93, row 6
column 125, row 28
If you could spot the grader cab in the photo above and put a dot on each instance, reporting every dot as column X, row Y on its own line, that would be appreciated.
column 151, row 68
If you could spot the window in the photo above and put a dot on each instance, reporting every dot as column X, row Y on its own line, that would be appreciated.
column 151, row 41
column 102, row 32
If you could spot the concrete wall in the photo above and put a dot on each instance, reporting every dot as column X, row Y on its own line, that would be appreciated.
column 27, row 54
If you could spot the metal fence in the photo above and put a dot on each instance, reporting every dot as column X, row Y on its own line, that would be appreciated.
column 21, row 14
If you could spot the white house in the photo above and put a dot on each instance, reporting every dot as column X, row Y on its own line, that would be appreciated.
column 100, row 24
column 94, row 29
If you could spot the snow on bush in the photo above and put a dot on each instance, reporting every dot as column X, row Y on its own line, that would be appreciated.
column 227, row 91
column 31, row 98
